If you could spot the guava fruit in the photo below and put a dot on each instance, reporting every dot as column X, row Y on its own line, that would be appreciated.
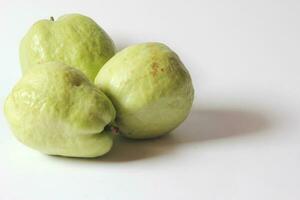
column 150, row 88
column 73, row 39
column 55, row 109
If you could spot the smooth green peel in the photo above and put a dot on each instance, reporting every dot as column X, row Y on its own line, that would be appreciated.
column 55, row 109
column 150, row 88
column 73, row 39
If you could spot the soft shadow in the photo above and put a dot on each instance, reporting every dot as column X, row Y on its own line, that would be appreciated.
column 200, row 126
column 210, row 124
column 129, row 150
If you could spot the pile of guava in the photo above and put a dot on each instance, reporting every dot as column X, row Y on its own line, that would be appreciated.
column 76, row 91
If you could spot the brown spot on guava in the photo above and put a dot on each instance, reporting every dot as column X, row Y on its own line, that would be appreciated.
column 154, row 69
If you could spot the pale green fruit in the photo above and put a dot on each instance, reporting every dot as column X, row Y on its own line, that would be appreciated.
column 150, row 88
column 73, row 39
column 55, row 109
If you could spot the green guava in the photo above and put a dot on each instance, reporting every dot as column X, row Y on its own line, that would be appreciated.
column 150, row 88
column 73, row 39
column 55, row 109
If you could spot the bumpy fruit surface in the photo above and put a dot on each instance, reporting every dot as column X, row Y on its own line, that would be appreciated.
column 73, row 39
column 150, row 88
column 55, row 109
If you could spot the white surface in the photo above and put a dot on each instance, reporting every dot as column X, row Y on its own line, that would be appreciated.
column 240, row 142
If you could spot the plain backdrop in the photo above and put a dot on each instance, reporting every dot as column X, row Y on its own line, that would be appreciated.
column 241, row 140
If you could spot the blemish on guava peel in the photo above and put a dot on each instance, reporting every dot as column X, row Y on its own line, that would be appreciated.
column 155, row 68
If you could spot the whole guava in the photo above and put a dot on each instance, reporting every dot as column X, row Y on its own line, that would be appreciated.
column 55, row 109
column 150, row 88
column 73, row 39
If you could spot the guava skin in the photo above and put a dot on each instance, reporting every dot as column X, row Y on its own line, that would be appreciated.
column 55, row 109
column 150, row 88
column 73, row 39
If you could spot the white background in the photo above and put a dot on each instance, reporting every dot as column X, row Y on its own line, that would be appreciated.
column 241, row 140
